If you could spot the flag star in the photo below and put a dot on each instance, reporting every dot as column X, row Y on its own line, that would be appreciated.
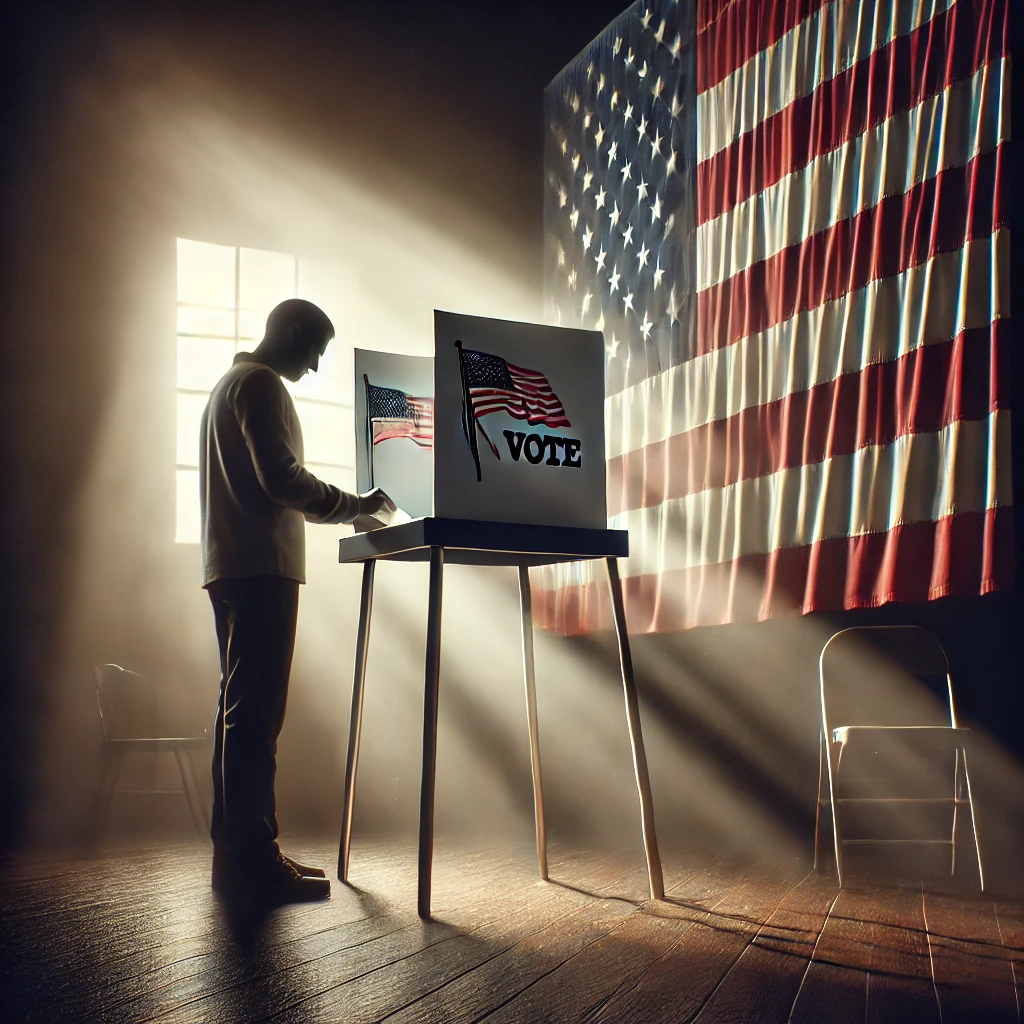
column 587, row 239
column 642, row 256
column 613, row 217
column 614, row 280
column 599, row 326
column 658, row 273
column 600, row 84
column 562, row 196
column 600, row 258
column 641, row 125
column 588, row 177
column 599, row 198
column 629, row 57
column 586, row 303
column 627, row 303
column 561, row 255
column 656, row 209
column 641, row 190
column 673, row 307
column 645, row 327
column 660, row 33
column 676, row 106
column 565, row 146
column 676, row 47
column 587, row 118
column 612, row 345
column 628, row 115
column 590, row 70
column 575, row 103
column 572, row 279
column 575, row 161
column 599, row 134
column 612, row 149
column 626, row 167
column 627, row 238
column 617, row 46
column 656, row 142
column 574, row 217
column 668, row 224
column 658, row 86
column 642, row 72
column 646, row 19
column 615, row 98
column 671, row 164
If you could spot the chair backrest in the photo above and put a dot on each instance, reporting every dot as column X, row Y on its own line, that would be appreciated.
column 885, row 676
column 127, row 703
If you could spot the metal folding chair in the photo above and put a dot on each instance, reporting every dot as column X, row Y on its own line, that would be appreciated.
column 893, row 760
column 128, row 718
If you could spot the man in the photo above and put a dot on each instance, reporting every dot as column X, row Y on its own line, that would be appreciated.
column 256, row 497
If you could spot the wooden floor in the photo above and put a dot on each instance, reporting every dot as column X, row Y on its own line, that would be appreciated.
column 138, row 936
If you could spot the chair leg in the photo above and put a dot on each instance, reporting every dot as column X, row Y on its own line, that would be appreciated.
column 818, row 823
column 431, row 688
column 526, row 609
column 643, row 781
column 355, row 726
column 837, row 837
column 974, row 819
column 99, row 817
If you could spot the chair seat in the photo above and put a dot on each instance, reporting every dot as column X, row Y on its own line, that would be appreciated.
column 160, row 742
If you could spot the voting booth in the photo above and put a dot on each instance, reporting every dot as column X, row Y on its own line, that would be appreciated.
column 494, row 451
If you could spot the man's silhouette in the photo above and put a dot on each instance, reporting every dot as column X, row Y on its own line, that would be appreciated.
column 256, row 497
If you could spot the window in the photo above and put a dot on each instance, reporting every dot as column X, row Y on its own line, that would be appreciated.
column 224, row 295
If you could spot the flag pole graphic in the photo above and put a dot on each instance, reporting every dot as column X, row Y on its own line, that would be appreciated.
column 469, row 418
column 369, row 429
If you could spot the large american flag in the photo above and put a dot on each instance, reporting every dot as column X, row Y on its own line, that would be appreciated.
column 788, row 218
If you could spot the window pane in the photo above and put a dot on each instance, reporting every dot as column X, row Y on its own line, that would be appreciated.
column 266, row 278
column 340, row 476
column 188, row 519
column 202, row 362
column 206, row 274
column 212, row 323
column 327, row 433
column 251, row 326
column 190, row 413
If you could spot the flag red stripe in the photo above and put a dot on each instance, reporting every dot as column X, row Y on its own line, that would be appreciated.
column 968, row 553
column 894, row 79
column 966, row 378
column 728, row 36
column 937, row 215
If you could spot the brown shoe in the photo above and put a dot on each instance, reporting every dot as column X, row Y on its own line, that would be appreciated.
column 220, row 869
column 271, row 884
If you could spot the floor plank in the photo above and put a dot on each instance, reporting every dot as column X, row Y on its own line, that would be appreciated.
column 973, row 971
column 137, row 935
column 762, row 985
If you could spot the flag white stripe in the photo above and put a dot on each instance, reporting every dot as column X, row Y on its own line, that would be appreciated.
column 946, row 130
column 873, row 490
column 817, row 50
column 926, row 304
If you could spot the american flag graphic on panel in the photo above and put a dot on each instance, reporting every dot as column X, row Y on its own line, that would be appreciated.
column 788, row 219
column 496, row 385
column 394, row 414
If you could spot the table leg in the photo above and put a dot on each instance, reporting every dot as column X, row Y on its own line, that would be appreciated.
column 355, row 725
column 526, row 608
column 431, row 681
column 643, row 782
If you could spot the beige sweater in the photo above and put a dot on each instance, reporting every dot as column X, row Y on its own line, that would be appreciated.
column 255, row 493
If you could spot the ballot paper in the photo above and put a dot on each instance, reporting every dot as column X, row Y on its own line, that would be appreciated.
column 382, row 518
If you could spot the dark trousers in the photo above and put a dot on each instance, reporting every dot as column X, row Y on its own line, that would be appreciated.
column 256, row 635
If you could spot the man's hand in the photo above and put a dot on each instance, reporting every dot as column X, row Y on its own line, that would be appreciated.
column 375, row 507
